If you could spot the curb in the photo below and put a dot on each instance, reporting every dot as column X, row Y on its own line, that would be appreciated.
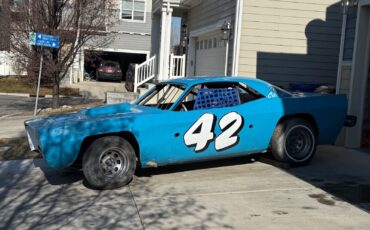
column 15, row 94
column 29, row 95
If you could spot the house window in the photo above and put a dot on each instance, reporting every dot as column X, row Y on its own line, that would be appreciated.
column 133, row 10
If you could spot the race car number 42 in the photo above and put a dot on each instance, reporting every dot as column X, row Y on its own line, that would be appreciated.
column 201, row 133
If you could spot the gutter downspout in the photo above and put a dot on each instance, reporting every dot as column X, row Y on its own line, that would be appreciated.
column 341, row 50
column 237, row 36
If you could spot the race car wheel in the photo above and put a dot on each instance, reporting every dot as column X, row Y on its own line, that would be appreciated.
column 294, row 141
column 109, row 162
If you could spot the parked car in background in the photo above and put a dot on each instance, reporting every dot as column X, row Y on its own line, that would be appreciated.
column 109, row 70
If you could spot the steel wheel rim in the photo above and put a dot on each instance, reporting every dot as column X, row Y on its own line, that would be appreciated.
column 299, row 143
column 113, row 162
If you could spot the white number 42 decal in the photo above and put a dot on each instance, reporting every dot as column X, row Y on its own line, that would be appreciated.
column 201, row 133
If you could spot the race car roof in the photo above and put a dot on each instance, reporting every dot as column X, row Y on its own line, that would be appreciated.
column 261, row 86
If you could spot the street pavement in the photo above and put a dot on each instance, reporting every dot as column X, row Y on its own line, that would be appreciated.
column 333, row 192
column 12, row 108
column 13, row 127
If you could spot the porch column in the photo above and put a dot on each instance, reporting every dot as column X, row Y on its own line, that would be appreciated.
column 164, row 52
column 359, row 74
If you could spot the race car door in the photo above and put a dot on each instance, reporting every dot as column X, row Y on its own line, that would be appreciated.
column 214, row 120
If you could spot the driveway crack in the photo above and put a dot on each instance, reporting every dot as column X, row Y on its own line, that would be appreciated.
column 137, row 209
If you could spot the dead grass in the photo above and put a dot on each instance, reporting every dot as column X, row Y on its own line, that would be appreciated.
column 72, row 109
column 20, row 85
column 61, row 110
column 19, row 149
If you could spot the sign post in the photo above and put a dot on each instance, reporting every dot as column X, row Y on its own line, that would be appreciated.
column 42, row 40
column 38, row 81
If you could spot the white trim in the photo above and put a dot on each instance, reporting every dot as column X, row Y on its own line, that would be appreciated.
column 359, row 74
column 129, row 32
column 237, row 36
column 164, row 48
column 133, row 20
column 147, row 53
column 341, row 52
column 227, row 46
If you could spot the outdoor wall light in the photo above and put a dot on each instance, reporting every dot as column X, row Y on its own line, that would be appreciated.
column 225, row 29
column 184, row 33
column 346, row 4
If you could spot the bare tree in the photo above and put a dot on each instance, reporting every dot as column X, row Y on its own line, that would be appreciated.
column 78, row 23
column 4, row 25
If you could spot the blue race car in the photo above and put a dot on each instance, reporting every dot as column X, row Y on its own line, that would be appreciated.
column 188, row 120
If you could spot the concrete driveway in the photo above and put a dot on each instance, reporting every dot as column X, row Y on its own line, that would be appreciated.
column 333, row 192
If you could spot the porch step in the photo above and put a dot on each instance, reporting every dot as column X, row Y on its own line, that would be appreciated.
column 120, row 97
column 97, row 90
column 145, row 88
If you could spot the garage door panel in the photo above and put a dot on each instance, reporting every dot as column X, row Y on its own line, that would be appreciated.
column 210, row 56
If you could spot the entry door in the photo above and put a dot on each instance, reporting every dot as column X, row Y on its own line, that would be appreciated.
column 210, row 56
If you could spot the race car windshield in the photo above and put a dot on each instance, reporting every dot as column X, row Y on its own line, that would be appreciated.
column 163, row 97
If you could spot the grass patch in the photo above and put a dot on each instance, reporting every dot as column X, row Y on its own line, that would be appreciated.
column 20, row 85
column 19, row 149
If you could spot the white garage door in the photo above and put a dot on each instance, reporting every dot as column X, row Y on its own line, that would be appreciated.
column 210, row 56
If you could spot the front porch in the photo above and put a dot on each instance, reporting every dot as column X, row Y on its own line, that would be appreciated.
column 206, row 37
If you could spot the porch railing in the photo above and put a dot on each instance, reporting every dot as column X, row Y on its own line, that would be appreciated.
column 177, row 66
column 144, row 72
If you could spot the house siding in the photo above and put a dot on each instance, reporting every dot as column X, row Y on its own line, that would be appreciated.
column 130, row 42
column 131, row 35
column 290, row 41
column 209, row 12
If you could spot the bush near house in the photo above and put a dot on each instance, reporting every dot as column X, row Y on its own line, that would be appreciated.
column 21, row 85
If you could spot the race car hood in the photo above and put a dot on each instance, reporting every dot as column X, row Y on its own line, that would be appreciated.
column 59, row 138
column 35, row 127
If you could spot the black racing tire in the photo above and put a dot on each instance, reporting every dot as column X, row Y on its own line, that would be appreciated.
column 294, row 141
column 109, row 162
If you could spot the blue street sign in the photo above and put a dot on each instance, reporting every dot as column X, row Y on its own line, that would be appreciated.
column 37, row 39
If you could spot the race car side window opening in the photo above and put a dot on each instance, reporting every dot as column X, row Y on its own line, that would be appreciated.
column 243, row 93
column 163, row 96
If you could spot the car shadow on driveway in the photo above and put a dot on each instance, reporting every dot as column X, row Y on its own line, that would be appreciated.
column 344, row 174
column 33, row 196
column 148, row 172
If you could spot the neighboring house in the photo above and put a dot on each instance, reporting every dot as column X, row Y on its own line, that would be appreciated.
column 274, row 40
column 353, row 72
column 6, row 65
column 130, row 39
